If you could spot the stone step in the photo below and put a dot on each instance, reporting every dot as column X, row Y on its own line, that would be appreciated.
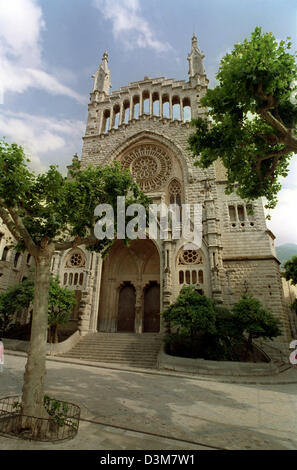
column 119, row 348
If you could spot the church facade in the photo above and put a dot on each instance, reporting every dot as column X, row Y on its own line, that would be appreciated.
column 145, row 126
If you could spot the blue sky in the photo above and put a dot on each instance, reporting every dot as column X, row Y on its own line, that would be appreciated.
column 50, row 49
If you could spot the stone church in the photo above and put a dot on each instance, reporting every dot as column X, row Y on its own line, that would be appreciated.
column 145, row 125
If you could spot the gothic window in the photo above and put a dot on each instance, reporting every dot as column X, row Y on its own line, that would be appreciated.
column 136, row 107
column 16, row 259
column 5, row 254
column 175, row 192
column 165, row 106
column 187, row 110
column 146, row 102
column 176, row 110
column 232, row 214
column 240, row 211
column 116, row 116
column 156, row 104
column 126, row 105
column 241, row 215
column 105, row 121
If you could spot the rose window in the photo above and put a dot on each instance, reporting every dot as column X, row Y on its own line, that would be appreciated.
column 150, row 165
column 144, row 168
column 76, row 259
column 190, row 257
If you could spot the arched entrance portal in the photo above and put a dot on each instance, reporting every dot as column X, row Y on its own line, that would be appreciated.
column 130, row 288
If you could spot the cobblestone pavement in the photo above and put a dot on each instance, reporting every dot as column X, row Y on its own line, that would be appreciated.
column 123, row 409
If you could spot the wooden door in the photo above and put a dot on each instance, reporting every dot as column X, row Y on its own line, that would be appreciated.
column 152, row 308
column 126, row 308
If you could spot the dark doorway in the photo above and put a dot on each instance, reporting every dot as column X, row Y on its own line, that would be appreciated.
column 126, row 308
column 151, row 323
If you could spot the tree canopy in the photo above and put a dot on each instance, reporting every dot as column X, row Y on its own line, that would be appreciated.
column 251, row 117
column 50, row 212
column 290, row 270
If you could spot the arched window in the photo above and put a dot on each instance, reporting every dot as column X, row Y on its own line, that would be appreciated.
column 116, row 116
column 136, row 107
column 165, row 106
column 105, row 121
column 126, row 105
column 175, row 192
column 16, row 259
column 176, row 111
column 5, row 254
column 156, row 104
column 146, row 102
column 187, row 110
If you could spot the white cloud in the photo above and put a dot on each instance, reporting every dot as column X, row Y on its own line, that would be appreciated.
column 40, row 135
column 128, row 24
column 21, row 64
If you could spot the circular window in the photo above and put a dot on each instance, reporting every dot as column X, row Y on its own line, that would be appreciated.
column 76, row 259
column 191, row 257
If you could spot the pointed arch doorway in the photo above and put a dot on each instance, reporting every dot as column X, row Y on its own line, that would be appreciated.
column 151, row 317
column 126, row 308
column 130, row 288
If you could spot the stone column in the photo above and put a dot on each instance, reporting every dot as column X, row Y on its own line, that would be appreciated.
column 213, row 236
column 131, row 113
column 151, row 104
column 181, row 111
column 140, row 104
column 139, row 308
column 165, row 278
column 111, row 118
column 122, row 114
column 170, row 108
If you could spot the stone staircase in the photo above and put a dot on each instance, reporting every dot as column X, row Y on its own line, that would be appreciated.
column 277, row 352
column 129, row 349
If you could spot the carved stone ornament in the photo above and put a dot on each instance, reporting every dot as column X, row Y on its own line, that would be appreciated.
column 150, row 165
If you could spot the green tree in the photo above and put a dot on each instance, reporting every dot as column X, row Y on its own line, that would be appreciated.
column 251, row 119
column 254, row 320
column 46, row 213
column 290, row 270
column 192, row 313
column 14, row 300
column 60, row 304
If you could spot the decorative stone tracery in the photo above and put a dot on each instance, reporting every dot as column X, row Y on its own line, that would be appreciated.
column 150, row 165
column 190, row 257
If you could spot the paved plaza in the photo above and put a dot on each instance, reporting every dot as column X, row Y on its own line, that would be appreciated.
column 130, row 410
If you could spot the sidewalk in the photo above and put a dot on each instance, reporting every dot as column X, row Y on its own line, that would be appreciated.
column 148, row 410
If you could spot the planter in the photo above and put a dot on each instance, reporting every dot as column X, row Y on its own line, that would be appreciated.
column 62, row 423
column 219, row 368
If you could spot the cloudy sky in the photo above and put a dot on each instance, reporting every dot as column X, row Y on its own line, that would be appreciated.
column 50, row 49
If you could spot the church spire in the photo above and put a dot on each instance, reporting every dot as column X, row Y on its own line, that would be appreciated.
column 102, row 76
column 195, row 59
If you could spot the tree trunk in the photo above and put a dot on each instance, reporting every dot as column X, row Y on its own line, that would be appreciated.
column 33, row 389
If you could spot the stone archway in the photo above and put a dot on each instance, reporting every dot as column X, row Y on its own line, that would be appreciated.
column 126, row 272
